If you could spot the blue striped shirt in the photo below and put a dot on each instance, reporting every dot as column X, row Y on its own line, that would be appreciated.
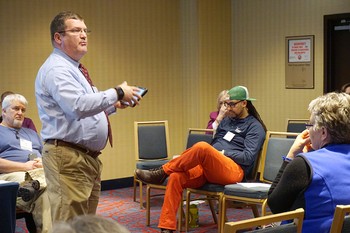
column 69, row 108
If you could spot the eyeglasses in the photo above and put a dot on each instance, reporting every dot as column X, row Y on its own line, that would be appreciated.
column 17, row 109
column 231, row 104
column 77, row 31
column 308, row 126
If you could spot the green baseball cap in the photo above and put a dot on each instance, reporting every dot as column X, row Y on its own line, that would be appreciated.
column 239, row 93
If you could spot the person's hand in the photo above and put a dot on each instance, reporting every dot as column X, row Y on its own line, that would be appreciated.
column 222, row 114
column 33, row 164
column 301, row 144
column 120, row 105
column 130, row 93
column 39, row 163
column 308, row 146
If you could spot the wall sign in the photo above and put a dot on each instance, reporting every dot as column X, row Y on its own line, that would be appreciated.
column 299, row 70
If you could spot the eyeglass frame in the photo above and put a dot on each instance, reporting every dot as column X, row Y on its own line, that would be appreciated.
column 77, row 31
column 231, row 104
column 308, row 126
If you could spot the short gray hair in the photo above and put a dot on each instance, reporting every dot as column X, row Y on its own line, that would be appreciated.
column 11, row 98
column 89, row 224
column 332, row 111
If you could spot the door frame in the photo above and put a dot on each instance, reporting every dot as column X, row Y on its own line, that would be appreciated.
column 329, row 23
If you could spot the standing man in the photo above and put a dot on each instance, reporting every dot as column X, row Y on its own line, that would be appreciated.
column 75, row 126
column 231, row 155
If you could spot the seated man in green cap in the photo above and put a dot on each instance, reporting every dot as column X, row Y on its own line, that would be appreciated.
column 229, row 157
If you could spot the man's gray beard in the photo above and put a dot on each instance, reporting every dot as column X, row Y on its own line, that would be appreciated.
column 17, row 124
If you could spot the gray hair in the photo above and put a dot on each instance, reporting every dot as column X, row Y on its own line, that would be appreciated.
column 89, row 224
column 332, row 111
column 9, row 99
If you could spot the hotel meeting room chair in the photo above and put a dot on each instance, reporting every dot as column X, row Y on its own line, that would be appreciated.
column 214, row 192
column 210, row 192
column 194, row 135
column 296, row 125
column 294, row 227
column 341, row 219
column 152, row 148
column 276, row 145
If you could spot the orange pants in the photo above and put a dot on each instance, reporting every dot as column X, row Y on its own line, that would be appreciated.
column 197, row 165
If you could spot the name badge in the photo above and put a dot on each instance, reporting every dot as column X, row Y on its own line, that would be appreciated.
column 25, row 144
column 229, row 136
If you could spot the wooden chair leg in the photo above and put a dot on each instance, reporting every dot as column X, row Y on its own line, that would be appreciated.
column 212, row 209
column 264, row 208
column 148, row 206
column 141, row 197
column 223, row 216
column 220, row 217
column 255, row 210
column 135, row 182
column 187, row 210
column 180, row 221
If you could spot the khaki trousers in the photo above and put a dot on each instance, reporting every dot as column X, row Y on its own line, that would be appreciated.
column 193, row 168
column 39, row 207
column 73, row 181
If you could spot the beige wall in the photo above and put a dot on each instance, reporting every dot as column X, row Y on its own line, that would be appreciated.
column 258, row 35
column 184, row 51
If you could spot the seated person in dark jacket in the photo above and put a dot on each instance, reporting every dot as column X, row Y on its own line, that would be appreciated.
column 20, row 161
column 315, row 172
column 228, row 159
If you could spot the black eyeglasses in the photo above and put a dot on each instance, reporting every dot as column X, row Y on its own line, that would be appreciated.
column 308, row 126
column 77, row 31
column 231, row 104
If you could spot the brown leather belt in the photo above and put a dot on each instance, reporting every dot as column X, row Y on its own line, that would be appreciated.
column 58, row 142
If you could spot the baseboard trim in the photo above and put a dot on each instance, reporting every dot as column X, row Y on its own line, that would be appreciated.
column 117, row 183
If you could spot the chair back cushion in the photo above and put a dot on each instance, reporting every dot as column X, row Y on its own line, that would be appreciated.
column 276, row 148
column 296, row 127
column 152, row 142
column 193, row 138
column 287, row 228
column 346, row 224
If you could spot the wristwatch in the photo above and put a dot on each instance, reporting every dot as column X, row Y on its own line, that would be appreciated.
column 120, row 92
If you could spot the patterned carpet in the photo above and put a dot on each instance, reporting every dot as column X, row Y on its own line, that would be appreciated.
column 118, row 205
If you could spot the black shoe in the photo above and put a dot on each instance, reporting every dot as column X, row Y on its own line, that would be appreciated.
column 166, row 231
column 153, row 176
column 29, row 190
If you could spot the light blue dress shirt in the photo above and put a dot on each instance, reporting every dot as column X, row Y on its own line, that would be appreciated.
column 69, row 108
